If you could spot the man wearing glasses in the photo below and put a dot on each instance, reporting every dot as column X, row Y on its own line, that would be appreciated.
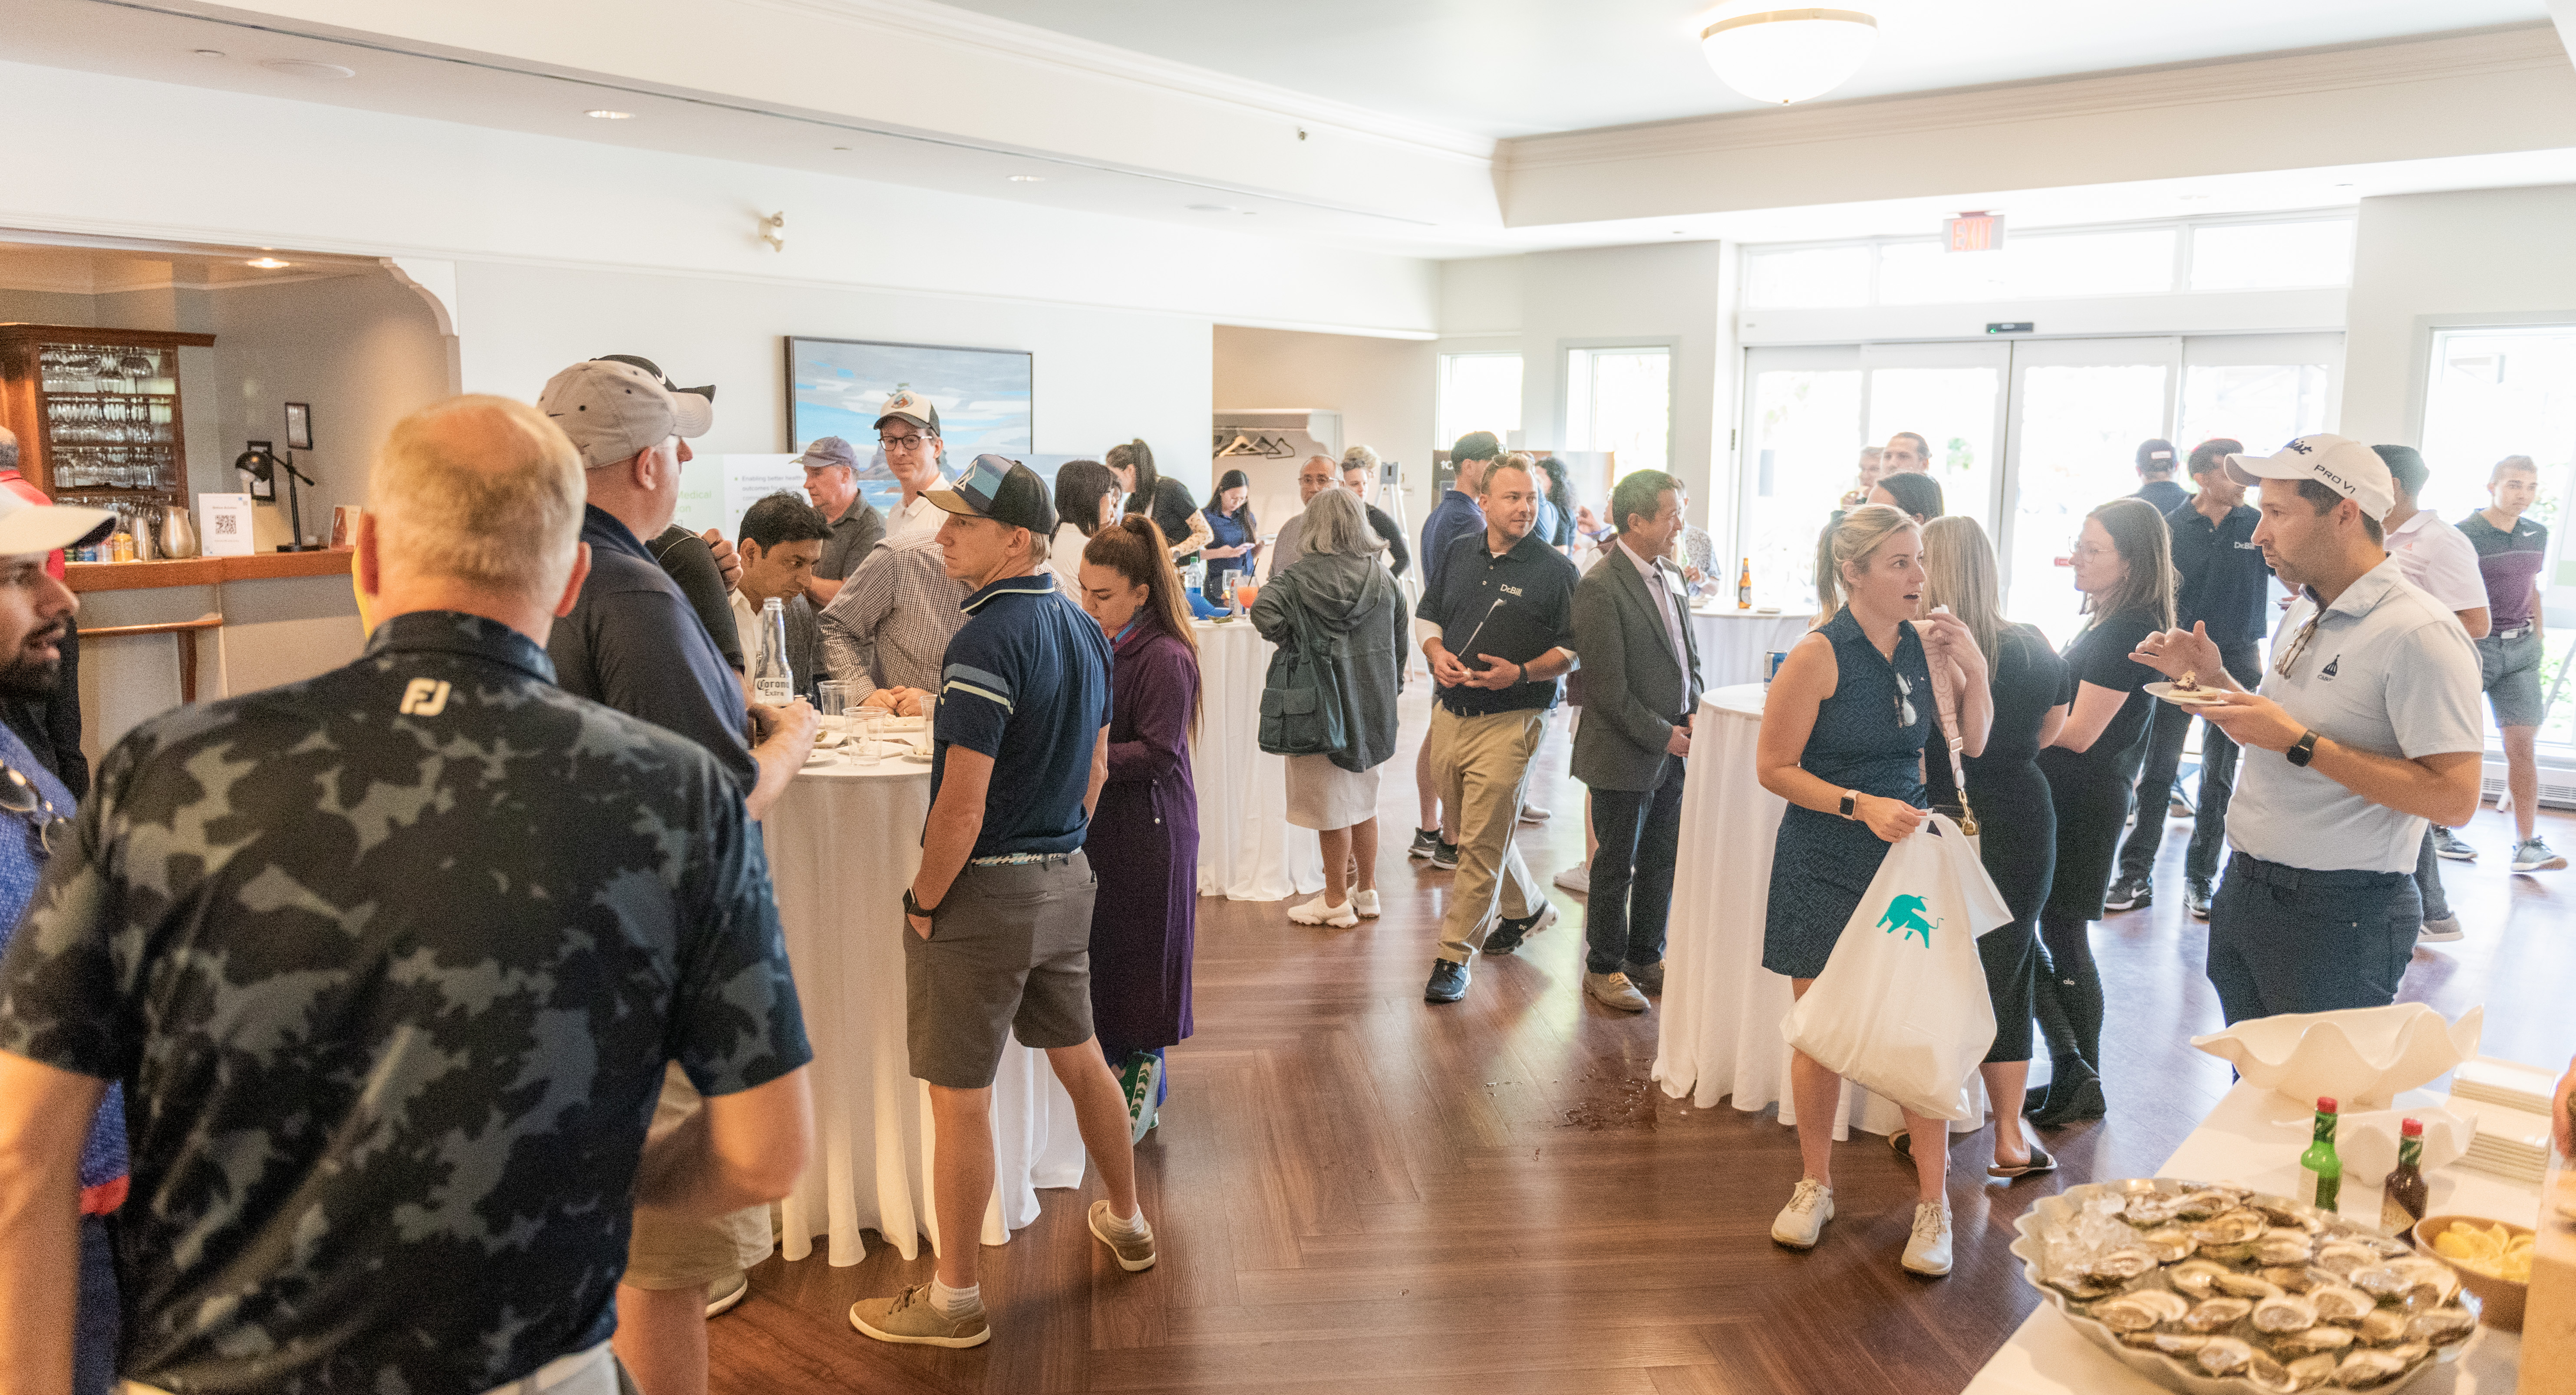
column 2365, row 726
column 908, row 433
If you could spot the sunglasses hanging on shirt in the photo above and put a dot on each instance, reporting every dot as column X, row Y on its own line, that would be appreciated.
column 18, row 795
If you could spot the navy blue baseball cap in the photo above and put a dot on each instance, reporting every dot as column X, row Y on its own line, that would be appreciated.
column 1005, row 491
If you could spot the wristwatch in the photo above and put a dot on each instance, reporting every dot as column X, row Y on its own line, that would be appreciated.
column 2304, row 749
column 1851, row 801
column 912, row 907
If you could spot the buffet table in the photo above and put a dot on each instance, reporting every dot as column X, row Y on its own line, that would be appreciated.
column 1732, row 642
column 2253, row 1138
column 1247, row 849
column 843, row 842
column 1718, row 1031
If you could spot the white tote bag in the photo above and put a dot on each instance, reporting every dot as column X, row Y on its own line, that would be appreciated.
column 1901, row 1009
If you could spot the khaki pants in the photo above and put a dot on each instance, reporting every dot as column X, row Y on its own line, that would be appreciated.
column 1483, row 764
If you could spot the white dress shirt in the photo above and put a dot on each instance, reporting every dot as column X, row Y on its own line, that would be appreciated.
column 1665, row 601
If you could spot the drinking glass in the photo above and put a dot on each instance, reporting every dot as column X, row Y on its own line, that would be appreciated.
column 834, row 699
column 863, row 743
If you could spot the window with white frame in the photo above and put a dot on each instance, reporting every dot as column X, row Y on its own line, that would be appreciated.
column 2135, row 259
column 1621, row 400
column 1479, row 392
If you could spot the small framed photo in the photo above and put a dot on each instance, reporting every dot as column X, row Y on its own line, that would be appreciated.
column 299, row 426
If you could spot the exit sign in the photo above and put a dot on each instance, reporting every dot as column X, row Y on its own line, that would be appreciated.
column 1973, row 232
column 2010, row 327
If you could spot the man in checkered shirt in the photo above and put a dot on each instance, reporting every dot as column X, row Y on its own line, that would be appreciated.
column 888, row 629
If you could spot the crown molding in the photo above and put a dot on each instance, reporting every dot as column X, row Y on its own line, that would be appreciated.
column 991, row 36
column 2218, row 82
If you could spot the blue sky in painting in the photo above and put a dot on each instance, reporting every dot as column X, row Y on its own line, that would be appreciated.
column 982, row 394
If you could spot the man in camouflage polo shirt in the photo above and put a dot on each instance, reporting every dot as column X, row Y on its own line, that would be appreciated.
column 388, row 963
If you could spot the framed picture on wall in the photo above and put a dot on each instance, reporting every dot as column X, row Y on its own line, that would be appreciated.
column 299, row 426
column 835, row 387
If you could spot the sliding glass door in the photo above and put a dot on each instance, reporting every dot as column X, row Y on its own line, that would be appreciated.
column 2079, row 409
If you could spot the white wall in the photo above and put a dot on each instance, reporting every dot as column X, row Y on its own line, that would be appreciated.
column 2422, row 261
column 1382, row 387
column 1099, row 377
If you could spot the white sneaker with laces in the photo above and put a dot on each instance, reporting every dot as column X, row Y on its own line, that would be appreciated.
column 1315, row 912
column 2533, row 855
column 1366, row 903
column 1927, row 1251
column 1802, row 1221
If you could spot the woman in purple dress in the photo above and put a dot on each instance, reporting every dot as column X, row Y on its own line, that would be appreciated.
column 1144, row 840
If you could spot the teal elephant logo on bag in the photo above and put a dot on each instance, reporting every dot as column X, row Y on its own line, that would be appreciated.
column 1905, row 913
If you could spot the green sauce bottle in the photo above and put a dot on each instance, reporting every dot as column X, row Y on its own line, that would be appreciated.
column 2324, row 1169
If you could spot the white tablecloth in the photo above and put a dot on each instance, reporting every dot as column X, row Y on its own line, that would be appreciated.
column 1718, row 1030
column 844, row 842
column 1247, row 849
column 2254, row 1138
column 1732, row 642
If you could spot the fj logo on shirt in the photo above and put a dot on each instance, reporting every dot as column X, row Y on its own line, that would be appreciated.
column 1905, row 913
column 2329, row 670
column 425, row 697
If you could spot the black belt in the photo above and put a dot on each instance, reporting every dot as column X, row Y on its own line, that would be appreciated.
column 2511, row 631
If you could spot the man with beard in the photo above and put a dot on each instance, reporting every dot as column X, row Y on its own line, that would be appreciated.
column 50, row 723
column 35, row 622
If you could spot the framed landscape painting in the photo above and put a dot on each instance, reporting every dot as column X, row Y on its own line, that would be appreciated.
column 836, row 387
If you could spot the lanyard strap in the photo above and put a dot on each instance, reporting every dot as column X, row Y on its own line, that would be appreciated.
column 1947, row 705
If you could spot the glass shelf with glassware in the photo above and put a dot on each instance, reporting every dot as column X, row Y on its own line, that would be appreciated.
column 98, row 409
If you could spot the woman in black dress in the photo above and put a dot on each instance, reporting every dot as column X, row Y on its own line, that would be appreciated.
column 1843, row 731
column 2017, row 835
column 1166, row 501
column 2124, row 566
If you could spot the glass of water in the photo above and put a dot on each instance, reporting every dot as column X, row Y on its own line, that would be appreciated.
column 834, row 699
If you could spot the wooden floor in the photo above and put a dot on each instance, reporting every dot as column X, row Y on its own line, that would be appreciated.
column 1357, row 1192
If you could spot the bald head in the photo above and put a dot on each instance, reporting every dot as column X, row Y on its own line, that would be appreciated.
column 478, row 494
column 1314, row 477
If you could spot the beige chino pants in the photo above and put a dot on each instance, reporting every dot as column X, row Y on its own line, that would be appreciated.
column 1483, row 765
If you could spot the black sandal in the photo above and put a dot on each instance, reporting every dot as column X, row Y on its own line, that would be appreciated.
column 2039, row 1161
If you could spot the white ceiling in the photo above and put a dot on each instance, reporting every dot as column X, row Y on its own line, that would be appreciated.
column 1504, row 68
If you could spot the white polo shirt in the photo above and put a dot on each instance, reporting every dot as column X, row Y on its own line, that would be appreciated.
column 922, row 518
column 2389, row 671
column 2439, row 558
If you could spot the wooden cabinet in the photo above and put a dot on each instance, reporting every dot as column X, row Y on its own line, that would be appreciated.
column 96, row 412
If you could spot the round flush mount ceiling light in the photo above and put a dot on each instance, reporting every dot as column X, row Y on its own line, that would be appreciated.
column 306, row 67
column 604, row 114
column 268, row 263
column 1784, row 56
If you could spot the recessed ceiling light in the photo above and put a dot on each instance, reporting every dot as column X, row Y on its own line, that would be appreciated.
column 604, row 114
column 1222, row 208
column 210, row 53
column 306, row 67
column 1028, row 179
column 268, row 263
column 2195, row 198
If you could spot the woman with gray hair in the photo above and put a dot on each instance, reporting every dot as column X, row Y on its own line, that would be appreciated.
column 1341, row 594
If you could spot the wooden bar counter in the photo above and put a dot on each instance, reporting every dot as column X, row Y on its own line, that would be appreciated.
column 155, row 634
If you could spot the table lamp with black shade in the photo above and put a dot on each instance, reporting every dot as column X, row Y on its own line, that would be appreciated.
column 262, row 464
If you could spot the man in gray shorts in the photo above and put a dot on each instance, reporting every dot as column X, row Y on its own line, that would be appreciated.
column 999, row 916
column 2510, row 550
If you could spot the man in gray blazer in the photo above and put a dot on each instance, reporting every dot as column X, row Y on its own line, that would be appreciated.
column 1640, row 687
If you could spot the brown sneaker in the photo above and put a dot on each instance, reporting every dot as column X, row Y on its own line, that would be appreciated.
column 910, row 1317
column 1133, row 1255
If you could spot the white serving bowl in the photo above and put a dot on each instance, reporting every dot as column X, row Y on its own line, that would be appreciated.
column 2362, row 1057
column 2367, row 1141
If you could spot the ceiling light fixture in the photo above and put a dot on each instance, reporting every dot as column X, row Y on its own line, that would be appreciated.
column 1784, row 56
column 209, row 53
column 268, row 263
column 306, row 67
column 1028, row 179
column 604, row 114
column 1222, row 208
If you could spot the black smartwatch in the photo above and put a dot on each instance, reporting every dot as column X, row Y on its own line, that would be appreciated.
column 912, row 907
column 1851, row 798
column 2304, row 749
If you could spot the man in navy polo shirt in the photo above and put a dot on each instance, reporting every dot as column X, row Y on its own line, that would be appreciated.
column 2227, row 586
column 1501, row 622
column 1457, row 515
column 998, row 939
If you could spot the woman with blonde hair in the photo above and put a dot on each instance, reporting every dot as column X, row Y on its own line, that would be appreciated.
column 2124, row 566
column 2018, row 828
column 1144, row 838
column 1844, row 727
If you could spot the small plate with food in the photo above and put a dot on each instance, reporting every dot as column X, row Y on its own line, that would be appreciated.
column 2188, row 691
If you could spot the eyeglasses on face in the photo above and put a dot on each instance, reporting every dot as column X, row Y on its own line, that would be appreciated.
column 901, row 443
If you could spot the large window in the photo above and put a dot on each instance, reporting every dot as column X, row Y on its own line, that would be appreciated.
column 1621, row 400
column 1479, row 392
column 2139, row 259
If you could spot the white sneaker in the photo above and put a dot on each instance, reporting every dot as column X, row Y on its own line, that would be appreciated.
column 2441, row 931
column 719, row 1303
column 2533, row 855
column 1928, row 1250
column 1315, row 912
column 1802, row 1221
column 1531, row 813
column 1366, row 903
column 1577, row 878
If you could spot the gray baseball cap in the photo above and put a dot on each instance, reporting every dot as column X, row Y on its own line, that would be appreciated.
column 828, row 450
column 614, row 410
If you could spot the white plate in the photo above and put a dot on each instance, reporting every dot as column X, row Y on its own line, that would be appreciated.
column 2186, row 698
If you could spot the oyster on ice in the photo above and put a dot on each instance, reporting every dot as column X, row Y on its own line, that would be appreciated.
column 2137, row 1312
column 2217, row 1314
column 2324, row 1337
column 2285, row 1312
column 2342, row 1302
column 2224, row 1356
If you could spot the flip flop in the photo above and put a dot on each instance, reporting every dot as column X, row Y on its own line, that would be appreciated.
column 2040, row 1161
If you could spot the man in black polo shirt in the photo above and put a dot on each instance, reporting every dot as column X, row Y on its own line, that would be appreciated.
column 633, row 642
column 998, row 942
column 2155, row 475
column 832, row 482
column 1501, row 615
column 2224, row 585
column 391, row 961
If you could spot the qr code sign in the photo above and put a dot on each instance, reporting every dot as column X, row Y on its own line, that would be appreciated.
column 226, row 523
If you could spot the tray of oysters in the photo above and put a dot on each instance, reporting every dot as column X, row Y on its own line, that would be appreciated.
column 2219, row 1290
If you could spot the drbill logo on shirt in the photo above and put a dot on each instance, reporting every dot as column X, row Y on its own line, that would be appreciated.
column 424, row 697
column 1509, row 590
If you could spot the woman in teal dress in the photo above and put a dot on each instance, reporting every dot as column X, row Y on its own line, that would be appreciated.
column 1843, row 732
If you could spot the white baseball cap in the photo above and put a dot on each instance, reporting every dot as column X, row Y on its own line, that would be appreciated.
column 2340, row 463
column 33, row 529
column 613, row 410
